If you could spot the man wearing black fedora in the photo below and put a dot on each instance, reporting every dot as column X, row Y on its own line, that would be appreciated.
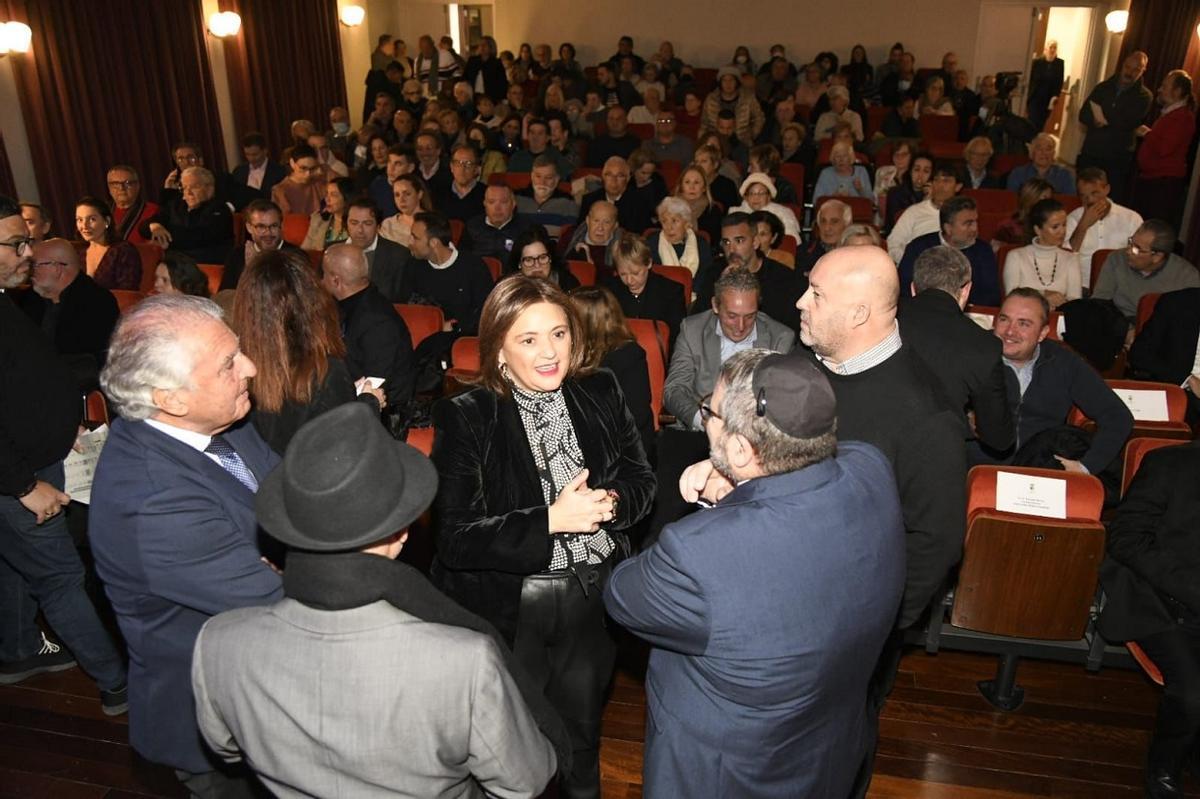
column 365, row 680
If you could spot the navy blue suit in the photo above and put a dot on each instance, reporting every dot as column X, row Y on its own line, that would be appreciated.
column 985, row 274
column 767, row 613
column 174, row 537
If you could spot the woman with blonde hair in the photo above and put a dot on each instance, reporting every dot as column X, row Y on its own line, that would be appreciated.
column 693, row 188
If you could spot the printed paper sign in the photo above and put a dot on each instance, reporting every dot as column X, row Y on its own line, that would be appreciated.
column 1033, row 496
column 80, row 464
column 1146, row 405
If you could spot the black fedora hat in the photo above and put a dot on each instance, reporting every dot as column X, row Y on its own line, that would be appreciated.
column 344, row 483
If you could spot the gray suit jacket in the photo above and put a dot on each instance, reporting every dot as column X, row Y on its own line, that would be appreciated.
column 367, row 702
column 696, row 361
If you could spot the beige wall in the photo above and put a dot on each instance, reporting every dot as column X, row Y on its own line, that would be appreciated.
column 717, row 27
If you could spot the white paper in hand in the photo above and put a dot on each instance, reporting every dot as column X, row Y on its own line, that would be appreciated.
column 1033, row 496
column 373, row 382
column 80, row 465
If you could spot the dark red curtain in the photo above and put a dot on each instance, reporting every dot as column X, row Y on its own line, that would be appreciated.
column 112, row 82
column 8, row 186
column 284, row 64
column 1164, row 30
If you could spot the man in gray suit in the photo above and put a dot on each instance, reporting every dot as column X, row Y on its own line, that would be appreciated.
column 365, row 681
column 705, row 341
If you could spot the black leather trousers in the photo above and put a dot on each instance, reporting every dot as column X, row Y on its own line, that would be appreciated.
column 563, row 643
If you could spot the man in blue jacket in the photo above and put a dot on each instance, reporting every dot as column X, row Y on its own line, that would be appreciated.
column 959, row 221
column 768, row 610
column 172, row 522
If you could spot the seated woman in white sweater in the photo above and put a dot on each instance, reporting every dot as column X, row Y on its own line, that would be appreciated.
column 758, row 194
column 1044, row 265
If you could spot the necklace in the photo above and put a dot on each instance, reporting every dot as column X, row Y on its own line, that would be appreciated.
column 1038, row 270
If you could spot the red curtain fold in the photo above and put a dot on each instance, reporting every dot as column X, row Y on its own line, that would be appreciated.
column 284, row 64
column 8, row 186
column 113, row 82
column 1164, row 30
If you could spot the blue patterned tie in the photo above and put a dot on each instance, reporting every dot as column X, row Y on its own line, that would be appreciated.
column 232, row 462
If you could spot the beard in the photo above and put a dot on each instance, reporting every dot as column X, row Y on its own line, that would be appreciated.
column 716, row 454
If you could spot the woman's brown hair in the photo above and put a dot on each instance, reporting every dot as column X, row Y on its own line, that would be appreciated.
column 508, row 300
column 288, row 326
column 604, row 325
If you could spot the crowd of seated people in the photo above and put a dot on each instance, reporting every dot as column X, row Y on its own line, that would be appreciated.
column 763, row 211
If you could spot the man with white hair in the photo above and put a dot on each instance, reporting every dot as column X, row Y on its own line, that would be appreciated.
column 833, row 217
column 195, row 222
column 635, row 209
column 1043, row 151
column 172, row 522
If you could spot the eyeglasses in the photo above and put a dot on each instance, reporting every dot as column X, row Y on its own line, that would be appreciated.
column 664, row 120
column 186, row 159
column 122, row 184
column 266, row 228
column 540, row 260
column 21, row 246
column 1136, row 250
column 463, row 164
column 707, row 413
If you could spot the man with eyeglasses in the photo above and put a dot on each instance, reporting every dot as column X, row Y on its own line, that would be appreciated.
column 465, row 199
column 665, row 145
column 492, row 233
column 39, row 566
column 226, row 189
column 264, row 226
column 302, row 190
column 75, row 313
column 635, row 209
column 729, row 596
column 130, row 208
column 1147, row 265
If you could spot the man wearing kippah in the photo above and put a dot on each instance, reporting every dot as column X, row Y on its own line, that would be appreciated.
column 767, row 610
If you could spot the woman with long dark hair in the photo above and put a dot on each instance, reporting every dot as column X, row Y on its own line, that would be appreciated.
column 541, row 471
column 288, row 325
column 180, row 274
column 111, row 261
column 534, row 255
column 328, row 226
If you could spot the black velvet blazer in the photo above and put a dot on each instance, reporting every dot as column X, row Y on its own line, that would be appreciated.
column 490, row 519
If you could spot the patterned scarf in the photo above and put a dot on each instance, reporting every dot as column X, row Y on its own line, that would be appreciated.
column 558, row 459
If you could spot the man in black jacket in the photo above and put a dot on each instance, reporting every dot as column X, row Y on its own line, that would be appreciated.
column 194, row 222
column 492, row 233
column 39, row 567
column 964, row 356
column 485, row 73
column 1151, row 578
column 264, row 226
column 1166, row 349
column 75, row 313
column 616, row 141
column 1046, row 380
column 635, row 211
column 378, row 343
column 1111, row 113
column 259, row 172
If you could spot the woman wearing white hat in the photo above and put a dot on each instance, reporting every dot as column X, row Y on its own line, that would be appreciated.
column 758, row 194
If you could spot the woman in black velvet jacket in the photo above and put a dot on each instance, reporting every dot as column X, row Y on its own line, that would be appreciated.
column 541, row 468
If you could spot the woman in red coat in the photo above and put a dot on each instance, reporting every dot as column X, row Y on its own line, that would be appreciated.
column 1160, row 188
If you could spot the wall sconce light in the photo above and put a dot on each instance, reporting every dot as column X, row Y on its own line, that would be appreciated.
column 1116, row 21
column 352, row 16
column 224, row 23
column 15, row 37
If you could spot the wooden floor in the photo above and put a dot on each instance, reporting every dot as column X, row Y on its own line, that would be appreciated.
column 1078, row 735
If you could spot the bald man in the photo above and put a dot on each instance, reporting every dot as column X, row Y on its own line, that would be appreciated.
column 887, row 397
column 378, row 343
column 492, row 233
column 635, row 207
column 591, row 240
column 75, row 313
